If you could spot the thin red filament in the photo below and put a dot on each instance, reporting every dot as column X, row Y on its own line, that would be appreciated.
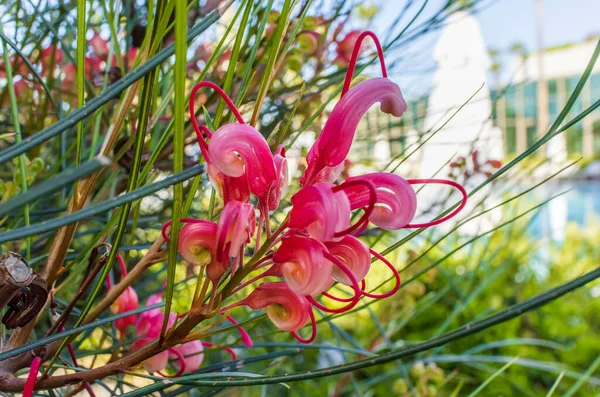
column 450, row 215
column 354, row 58
column 396, row 277
column 313, row 335
column 355, row 287
column 181, row 364
column 364, row 219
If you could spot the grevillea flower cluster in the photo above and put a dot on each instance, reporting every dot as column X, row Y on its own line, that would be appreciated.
column 316, row 246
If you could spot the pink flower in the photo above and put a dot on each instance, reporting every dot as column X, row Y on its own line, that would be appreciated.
column 198, row 245
column 303, row 265
column 127, row 301
column 46, row 58
column 189, row 355
column 286, row 309
column 235, row 229
column 308, row 41
column 352, row 253
column 396, row 201
column 281, row 186
column 320, row 210
column 345, row 46
column 99, row 45
column 326, row 156
column 237, row 150
column 229, row 188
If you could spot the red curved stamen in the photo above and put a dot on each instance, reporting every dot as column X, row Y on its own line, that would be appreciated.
column 245, row 337
column 313, row 323
column 202, row 129
column 335, row 298
column 163, row 231
column 74, row 359
column 181, row 364
column 122, row 265
column 396, row 276
column 31, row 378
column 200, row 133
column 348, row 272
column 354, row 59
column 227, row 349
column 364, row 219
column 450, row 215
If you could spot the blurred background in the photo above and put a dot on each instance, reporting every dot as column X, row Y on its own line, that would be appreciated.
column 486, row 82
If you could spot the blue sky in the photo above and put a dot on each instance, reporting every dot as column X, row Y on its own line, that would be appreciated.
column 503, row 23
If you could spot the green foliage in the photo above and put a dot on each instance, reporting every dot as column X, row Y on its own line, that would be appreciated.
column 464, row 320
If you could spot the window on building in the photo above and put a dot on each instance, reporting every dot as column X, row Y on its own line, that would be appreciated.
column 530, row 93
column 510, row 145
column 596, row 132
column 531, row 134
column 575, row 139
column 510, row 102
column 553, row 101
column 595, row 89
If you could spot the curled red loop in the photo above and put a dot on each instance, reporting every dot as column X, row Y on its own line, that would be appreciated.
column 31, row 378
column 396, row 276
column 363, row 222
column 181, row 364
column 163, row 231
column 354, row 58
column 203, row 129
column 313, row 335
column 227, row 349
column 245, row 337
column 450, row 215
column 355, row 287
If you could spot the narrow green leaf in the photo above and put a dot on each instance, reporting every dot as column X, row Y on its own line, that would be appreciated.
column 111, row 92
column 491, row 378
column 53, row 184
column 179, row 138
column 102, row 207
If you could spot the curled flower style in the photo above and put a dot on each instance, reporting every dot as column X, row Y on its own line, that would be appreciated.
column 333, row 144
column 321, row 210
column 239, row 149
column 197, row 241
column 286, row 309
column 396, row 201
column 240, row 152
column 352, row 253
column 344, row 48
column 303, row 265
column 235, row 229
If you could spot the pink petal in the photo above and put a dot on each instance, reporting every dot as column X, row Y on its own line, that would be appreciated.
column 192, row 355
column 396, row 200
column 320, row 211
column 197, row 242
column 235, row 229
column 237, row 150
column 229, row 188
column 354, row 254
column 303, row 266
column 332, row 146
column 286, row 309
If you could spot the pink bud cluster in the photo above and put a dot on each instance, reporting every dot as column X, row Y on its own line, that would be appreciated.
column 316, row 246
